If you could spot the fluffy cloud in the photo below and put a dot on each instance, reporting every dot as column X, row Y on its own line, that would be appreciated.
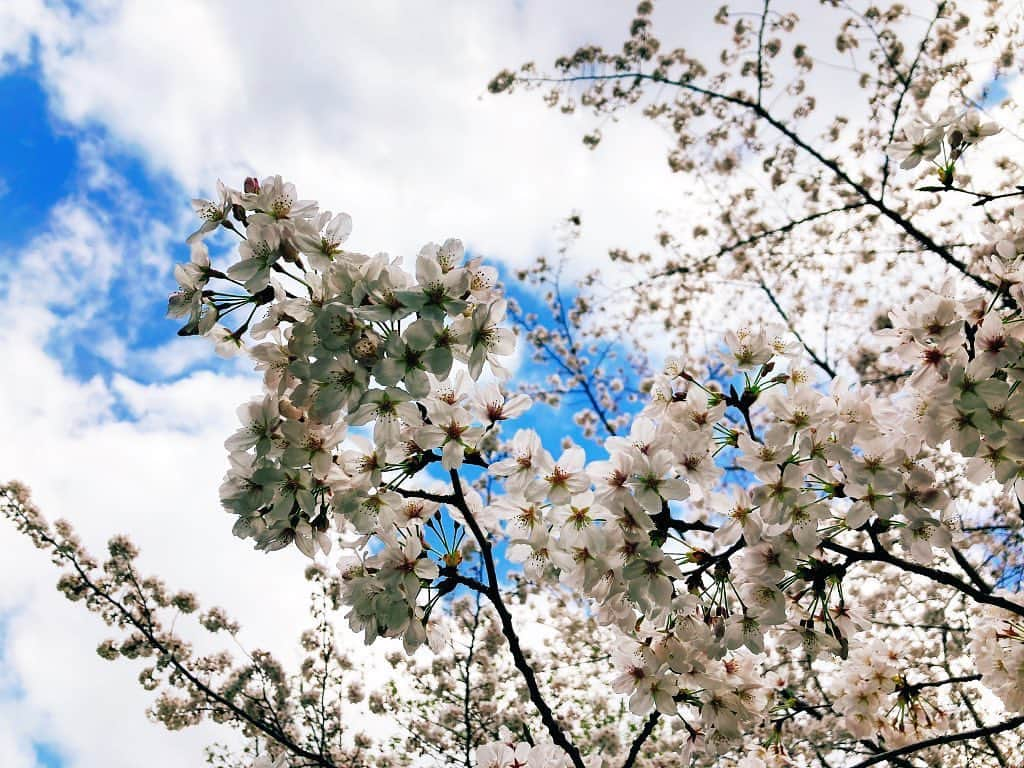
column 149, row 478
column 377, row 108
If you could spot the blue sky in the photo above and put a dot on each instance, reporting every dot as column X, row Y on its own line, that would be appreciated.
column 36, row 160
column 44, row 163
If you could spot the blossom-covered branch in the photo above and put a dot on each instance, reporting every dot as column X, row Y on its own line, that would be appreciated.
column 697, row 579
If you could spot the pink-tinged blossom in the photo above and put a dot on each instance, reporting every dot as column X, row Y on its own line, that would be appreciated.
column 653, row 483
column 559, row 480
column 212, row 212
column 527, row 459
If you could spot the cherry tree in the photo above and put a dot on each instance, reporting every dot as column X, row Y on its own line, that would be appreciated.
column 774, row 555
column 728, row 606
column 731, row 610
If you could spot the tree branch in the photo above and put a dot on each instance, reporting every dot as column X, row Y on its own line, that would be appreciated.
column 493, row 593
column 413, row 493
column 881, row 556
column 818, row 361
column 937, row 741
column 760, row 51
column 42, row 538
column 780, row 230
column 971, row 571
column 878, row 204
column 638, row 742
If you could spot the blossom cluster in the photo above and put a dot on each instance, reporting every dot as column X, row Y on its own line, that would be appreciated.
column 998, row 647
column 509, row 753
column 372, row 379
column 949, row 134
column 341, row 330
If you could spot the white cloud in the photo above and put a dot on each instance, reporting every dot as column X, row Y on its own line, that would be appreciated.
column 380, row 109
column 109, row 476
column 22, row 21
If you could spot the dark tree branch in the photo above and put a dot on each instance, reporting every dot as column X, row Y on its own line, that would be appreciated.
column 752, row 239
column 938, row 741
column 881, row 556
column 145, row 628
column 412, row 493
column 818, row 361
column 905, row 81
column 493, row 593
column 760, row 51
column 971, row 571
column 467, row 688
column 638, row 742
column 925, row 240
column 582, row 382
